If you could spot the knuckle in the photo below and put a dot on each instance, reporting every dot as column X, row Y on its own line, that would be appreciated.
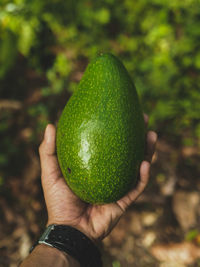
column 153, row 135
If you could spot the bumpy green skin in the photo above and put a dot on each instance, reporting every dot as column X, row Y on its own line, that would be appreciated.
column 100, row 134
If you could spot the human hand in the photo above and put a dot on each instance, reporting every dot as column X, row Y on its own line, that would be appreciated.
column 64, row 207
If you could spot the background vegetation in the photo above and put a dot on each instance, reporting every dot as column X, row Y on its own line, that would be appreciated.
column 44, row 49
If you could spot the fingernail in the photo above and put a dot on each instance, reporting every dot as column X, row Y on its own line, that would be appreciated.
column 155, row 137
column 46, row 134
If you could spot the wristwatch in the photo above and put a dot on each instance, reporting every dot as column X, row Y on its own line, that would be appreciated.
column 72, row 242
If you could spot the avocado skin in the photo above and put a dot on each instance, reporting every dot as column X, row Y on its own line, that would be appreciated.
column 100, row 134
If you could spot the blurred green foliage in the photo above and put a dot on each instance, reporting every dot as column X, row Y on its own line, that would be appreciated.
column 192, row 234
column 157, row 40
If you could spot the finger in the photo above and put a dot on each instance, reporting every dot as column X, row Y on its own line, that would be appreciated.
column 50, row 170
column 151, row 144
column 146, row 119
column 128, row 199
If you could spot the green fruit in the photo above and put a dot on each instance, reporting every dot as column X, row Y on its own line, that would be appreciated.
column 100, row 134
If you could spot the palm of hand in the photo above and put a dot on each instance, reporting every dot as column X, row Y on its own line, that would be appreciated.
column 96, row 221
column 66, row 208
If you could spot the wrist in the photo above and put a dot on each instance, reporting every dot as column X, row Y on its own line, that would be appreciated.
column 73, row 242
column 78, row 227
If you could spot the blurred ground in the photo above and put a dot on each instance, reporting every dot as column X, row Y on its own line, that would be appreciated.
column 161, row 229
column 44, row 49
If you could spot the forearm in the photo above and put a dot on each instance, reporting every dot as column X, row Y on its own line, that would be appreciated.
column 47, row 256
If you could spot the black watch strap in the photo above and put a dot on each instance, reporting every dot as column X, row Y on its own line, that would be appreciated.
column 73, row 242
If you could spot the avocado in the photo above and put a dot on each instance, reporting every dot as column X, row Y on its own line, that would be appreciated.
column 100, row 134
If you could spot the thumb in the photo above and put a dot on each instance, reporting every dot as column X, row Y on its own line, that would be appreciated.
column 50, row 170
